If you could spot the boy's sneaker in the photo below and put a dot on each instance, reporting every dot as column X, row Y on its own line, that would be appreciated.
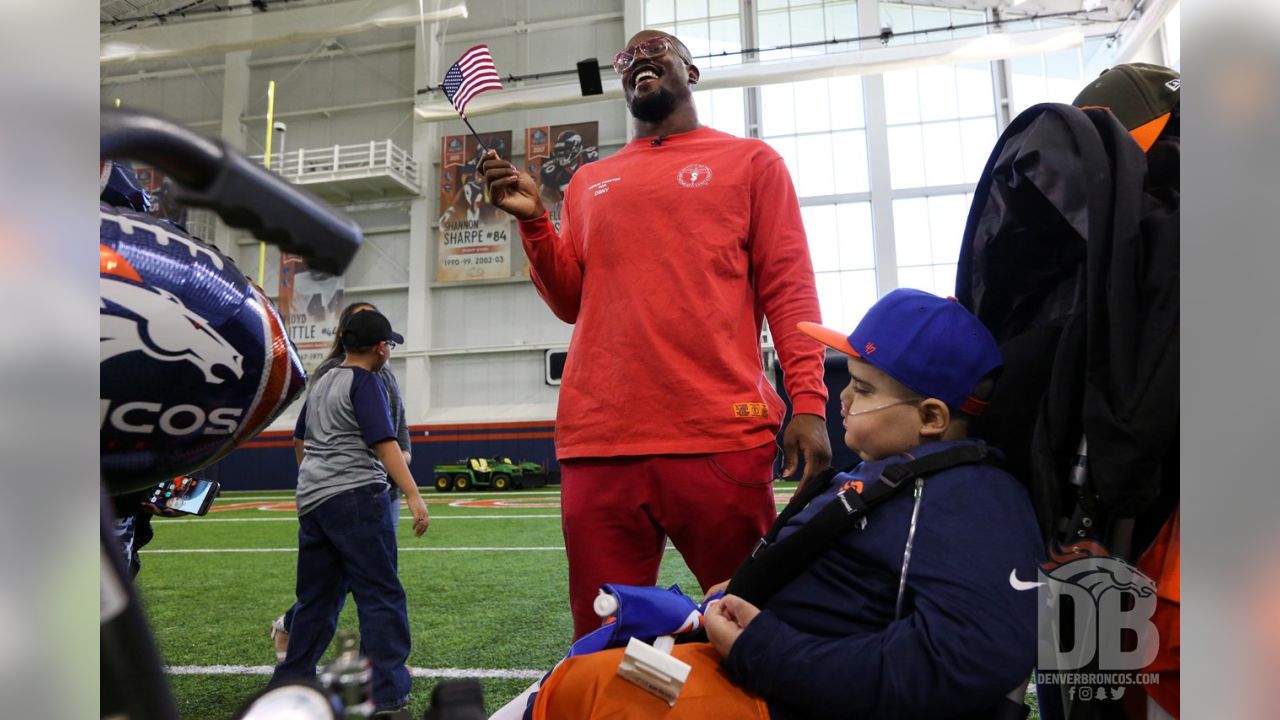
column 280, row 637
column 400, row 713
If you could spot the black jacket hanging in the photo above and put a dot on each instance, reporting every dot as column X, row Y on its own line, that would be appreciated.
column 1070, row 258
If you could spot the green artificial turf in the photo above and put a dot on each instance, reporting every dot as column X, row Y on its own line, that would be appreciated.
column 469, row 608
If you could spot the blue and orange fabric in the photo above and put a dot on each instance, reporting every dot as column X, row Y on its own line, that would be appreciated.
column 587, row 687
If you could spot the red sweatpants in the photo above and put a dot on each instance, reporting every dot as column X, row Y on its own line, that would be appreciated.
column 617, row 514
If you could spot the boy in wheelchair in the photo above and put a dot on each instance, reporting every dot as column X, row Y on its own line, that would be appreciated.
column 899, row 589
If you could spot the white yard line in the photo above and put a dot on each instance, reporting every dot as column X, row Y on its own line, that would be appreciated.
column 293, row 519
column 416, row 672
column 191, row 551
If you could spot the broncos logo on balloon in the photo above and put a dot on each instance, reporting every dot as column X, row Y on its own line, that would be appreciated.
column 163, row 328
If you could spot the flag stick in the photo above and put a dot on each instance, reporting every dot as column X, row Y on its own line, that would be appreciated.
column 475, row 134
column 479, row 142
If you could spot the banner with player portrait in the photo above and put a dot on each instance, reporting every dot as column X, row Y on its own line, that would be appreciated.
column 553, row 153
column 310, row 303
column 475, row 237
column 161, row 189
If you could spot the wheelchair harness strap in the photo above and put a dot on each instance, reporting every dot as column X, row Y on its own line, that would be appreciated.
column 773, row 563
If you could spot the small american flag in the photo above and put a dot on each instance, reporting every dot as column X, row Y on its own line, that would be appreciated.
column 471, row 75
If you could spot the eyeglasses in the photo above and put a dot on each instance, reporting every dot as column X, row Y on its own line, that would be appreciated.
column 651, row 48
column 391, row 344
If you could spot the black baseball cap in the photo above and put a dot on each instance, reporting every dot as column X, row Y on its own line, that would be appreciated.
column 367, row 328
column 1142, row 96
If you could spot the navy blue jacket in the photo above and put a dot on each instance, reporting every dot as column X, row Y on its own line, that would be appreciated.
column 827, row 644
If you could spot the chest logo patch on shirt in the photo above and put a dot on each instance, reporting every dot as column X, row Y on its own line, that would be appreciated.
column 693, row 176
column 750, row 410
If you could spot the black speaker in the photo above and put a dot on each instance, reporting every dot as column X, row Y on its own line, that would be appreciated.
column 555, row 365
column 589, row 77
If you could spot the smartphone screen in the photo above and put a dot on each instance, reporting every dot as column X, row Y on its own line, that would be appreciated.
column 185, row 495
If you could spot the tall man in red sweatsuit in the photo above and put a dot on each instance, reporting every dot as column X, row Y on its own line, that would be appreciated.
column 669, row 254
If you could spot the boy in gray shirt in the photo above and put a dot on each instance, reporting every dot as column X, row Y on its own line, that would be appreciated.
column 346, row 447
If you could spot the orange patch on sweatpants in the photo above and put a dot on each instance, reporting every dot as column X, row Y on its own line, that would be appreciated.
column 589, row 687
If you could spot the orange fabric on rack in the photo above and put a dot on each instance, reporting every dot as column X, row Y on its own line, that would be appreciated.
column 587, row 687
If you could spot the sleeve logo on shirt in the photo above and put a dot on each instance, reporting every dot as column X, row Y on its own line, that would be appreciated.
column 693, row 176
column 602, row 187
column 750, row 410
column 854, row 485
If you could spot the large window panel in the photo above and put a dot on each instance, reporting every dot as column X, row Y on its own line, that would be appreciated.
column 846, row 102
column 709, row 28
column 849, row 151
column 927, row 18
column 830, row 299
column 696, row 35
column 817, row 170
column 911, row 232
column 937, row 86
column 858, row 293
column 897, row 18
column 842, row 21
column 774, row 30
column 937, row 279
column 974, row 90
column 777, row 110
column 722, row 110
column 942, row 125
column 786, row 147
column 811, row 106
column 947, row 215
column 857, row 240
column 928, row 232
column 691, row 10
column 1054, row 77
column 725, row 37
column 901, row 97
column 824, row 236
column 977, row 140
column 943, row 159
column 798, row 119
column 845, row 296
column 807, row 26
column 782, row 23
column 812, row 97
column 932, row 21
column 1172, row 34
column 843, row 254
column 906, row 157
column 659, row 12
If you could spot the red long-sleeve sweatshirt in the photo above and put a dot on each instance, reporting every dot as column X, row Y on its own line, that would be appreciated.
column 668, row 256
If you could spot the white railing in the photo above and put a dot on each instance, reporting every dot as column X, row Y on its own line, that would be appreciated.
column 375, row 157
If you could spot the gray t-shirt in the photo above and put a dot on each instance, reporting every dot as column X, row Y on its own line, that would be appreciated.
column 393, row 397
column 344, row 416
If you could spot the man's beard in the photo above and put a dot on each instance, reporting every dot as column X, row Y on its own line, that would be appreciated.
column 654, row 107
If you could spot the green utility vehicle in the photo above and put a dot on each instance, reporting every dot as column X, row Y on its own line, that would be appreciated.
column 495, row 473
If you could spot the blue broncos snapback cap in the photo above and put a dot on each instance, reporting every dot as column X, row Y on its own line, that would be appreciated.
column 930, row 344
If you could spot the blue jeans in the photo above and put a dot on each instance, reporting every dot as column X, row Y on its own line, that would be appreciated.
column 394, row 504
column 348, row 542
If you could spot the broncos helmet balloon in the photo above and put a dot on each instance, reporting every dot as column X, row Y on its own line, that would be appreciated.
column 194, row 357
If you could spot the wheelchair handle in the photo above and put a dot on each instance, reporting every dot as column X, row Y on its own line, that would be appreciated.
column 213, row 175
